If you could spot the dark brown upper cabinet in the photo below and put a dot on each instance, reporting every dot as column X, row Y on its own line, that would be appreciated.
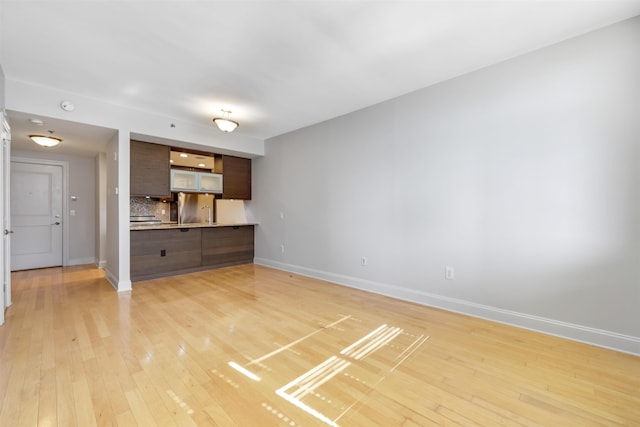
column 149, row 170
column 236, row 172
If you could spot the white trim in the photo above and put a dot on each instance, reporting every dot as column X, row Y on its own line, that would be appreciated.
column 113, row 280
column 5, row 216
column 118, row 285
column 585, row 334
column 65, row 191
column 81, row 261
column 124, row 285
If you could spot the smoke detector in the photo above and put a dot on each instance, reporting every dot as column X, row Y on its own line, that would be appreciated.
column 67, row 106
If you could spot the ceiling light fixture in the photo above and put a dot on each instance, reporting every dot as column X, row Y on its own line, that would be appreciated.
column 45, row 141
column 224, row 123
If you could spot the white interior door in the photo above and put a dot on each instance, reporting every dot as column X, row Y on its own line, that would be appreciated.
column 36, row 215
column 5, row 249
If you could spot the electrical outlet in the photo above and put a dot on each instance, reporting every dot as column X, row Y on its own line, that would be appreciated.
column 449, row 273
column 364, row 261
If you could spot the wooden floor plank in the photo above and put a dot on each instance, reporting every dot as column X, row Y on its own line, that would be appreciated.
column 65, row 403
column 47, row 412
column 16, row 367
column 252, row 346
column 141, row 412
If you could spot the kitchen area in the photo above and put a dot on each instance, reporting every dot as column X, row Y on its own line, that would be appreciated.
column 187, row 211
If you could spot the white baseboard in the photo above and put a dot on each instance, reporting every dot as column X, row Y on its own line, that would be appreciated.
column 585, row 334
column 118, row 285
column 81, row 261
column 111, row 278
column 101, row 264
column 124, row 285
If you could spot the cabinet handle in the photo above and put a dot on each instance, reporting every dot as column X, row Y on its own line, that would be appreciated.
column 184, row 230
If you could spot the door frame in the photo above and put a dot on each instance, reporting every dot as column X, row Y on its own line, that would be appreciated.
column 5, row 216
column 65, row 192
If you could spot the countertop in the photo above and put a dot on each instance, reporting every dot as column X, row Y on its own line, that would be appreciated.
column 171, row 225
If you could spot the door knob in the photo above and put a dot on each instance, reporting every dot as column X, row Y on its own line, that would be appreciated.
column 7, row 231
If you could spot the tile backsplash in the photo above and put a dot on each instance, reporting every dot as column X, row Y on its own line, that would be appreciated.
column 139, row 206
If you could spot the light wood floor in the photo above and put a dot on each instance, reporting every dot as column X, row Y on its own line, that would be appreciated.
column 253, row 347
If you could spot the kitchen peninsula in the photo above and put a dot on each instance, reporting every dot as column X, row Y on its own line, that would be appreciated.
column 170, row 249
column 167, row 244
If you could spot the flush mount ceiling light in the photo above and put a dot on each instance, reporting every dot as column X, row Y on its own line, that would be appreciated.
column 224, row 123
column 45, row 141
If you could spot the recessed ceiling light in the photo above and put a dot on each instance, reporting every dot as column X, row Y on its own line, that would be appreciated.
column 37, row 122
column 171, row 161
column 184, row 155
column 201, row 165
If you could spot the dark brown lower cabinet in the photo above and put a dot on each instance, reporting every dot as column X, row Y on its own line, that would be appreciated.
column 154, row 253
column 166, row 252
column 222, row 246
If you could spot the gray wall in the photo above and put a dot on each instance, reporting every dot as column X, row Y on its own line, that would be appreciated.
column 522, row 176
column 82, row 184
column 101, row 209
column 2, row 89
column 117, row 266
column 112, row 266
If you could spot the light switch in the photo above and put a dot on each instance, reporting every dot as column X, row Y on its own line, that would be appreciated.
column 72, row 212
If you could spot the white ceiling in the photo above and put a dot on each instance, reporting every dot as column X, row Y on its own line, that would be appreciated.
column 277, row 65
column 78, row 139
